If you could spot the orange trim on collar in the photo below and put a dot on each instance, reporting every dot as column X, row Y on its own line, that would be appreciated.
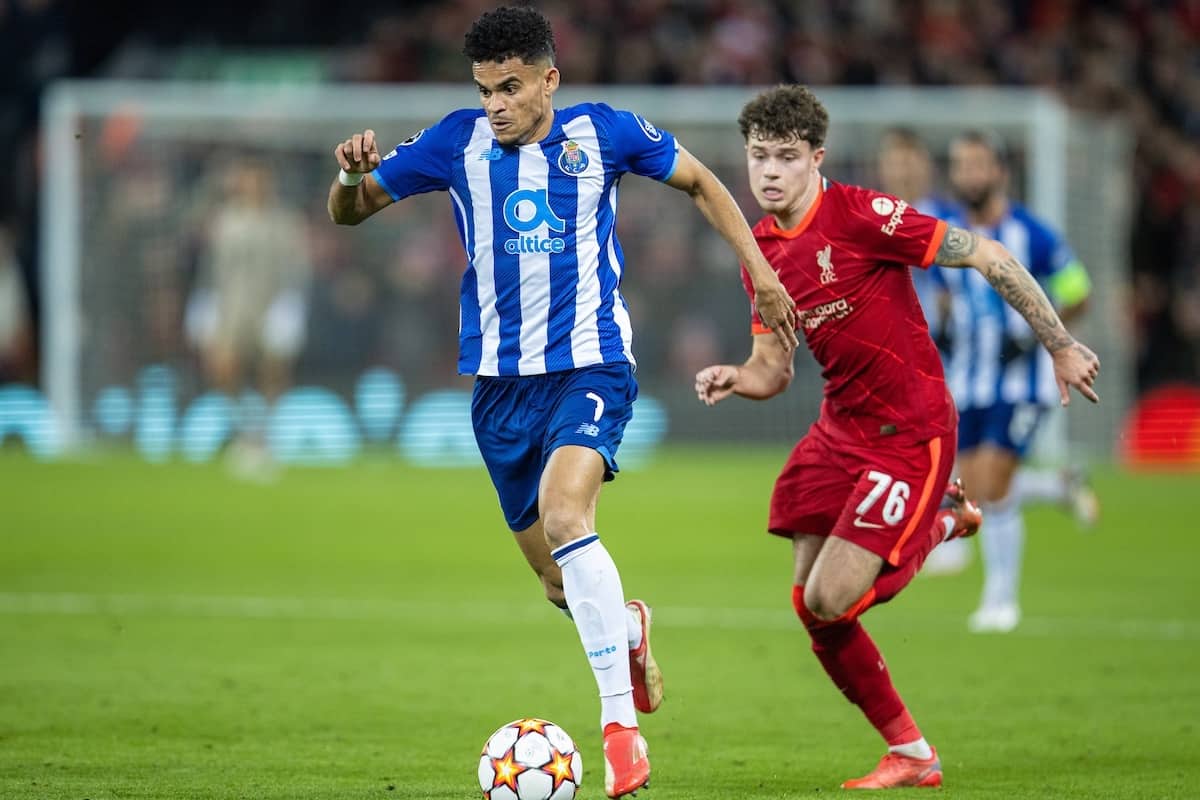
column 801, row 226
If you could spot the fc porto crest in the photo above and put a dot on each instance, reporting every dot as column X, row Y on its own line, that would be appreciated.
column 572, row 160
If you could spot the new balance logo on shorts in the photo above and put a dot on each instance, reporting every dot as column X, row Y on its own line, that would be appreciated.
column 588, row 429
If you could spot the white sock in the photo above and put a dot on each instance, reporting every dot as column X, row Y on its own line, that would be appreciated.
column 633, row 628
column 947, row 528
column 593, row 589
column 918, row 749
column 1039, row 485
column 1002, row 541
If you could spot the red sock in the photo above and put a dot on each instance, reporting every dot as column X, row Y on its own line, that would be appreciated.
column 901, row 730
column 854, row 664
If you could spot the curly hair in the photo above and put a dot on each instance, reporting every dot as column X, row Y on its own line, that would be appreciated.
column 505, row 33
column 787, row 113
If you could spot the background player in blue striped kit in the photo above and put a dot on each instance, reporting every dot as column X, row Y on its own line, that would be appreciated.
column 544, row 325
column 1002, row 383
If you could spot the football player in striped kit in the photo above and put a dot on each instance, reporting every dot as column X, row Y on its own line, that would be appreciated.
column 543, row 323
column 1002, row 382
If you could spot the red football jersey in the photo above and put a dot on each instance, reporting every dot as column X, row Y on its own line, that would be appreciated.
column 847, row 267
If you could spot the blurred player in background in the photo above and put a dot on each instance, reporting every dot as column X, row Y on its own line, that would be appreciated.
column 543, row 323
column 1002, row 382
column 16, row 332
column 859, row 496
column 256, row 269
column 906, row 171
column 249, row 311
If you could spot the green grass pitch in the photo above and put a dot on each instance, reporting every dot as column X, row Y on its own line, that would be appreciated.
column 168, row 632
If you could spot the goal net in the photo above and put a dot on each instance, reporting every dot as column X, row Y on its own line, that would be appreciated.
column 150, row 185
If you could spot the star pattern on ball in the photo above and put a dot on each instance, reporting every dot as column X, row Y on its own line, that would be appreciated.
column 559, row 768
column 526, row 725
column 506, row 770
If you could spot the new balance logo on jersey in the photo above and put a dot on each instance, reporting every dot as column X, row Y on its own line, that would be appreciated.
column 825, row 262
column 495, row 154
column 588, row 429
column 526, row 210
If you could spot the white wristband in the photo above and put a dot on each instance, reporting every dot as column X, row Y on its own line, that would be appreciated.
column 350, row 179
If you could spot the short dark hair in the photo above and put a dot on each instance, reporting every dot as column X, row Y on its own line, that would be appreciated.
column 787, row 112
column 505, row 33
column 989, row 140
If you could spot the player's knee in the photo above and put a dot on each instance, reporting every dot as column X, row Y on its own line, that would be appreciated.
column 562, row 526
column 824, row 605
column 806, row 616
column 992, row 492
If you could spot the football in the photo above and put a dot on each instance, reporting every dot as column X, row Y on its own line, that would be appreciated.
column 530, row 759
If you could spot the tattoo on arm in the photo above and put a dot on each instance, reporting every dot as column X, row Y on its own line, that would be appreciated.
column 957, row 245
column 1022, row 292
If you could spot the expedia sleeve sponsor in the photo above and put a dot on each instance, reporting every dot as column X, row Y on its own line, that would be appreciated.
column 887, row 229
column 896, row 219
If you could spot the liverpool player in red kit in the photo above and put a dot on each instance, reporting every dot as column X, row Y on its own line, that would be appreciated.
column 861, row 496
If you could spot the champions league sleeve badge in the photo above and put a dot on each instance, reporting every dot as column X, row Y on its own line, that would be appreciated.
column 652, row 133
column 572, row 160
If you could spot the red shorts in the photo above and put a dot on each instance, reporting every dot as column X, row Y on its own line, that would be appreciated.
column 883, row 497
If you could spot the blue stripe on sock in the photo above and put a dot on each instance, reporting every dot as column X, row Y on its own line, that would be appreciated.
column 571, row 547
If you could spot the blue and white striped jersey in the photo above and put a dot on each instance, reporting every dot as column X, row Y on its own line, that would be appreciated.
column 925, row 281
column 981, row 320
column 541, row 292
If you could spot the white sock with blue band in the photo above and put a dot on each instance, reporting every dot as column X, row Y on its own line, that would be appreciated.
column 592, row 586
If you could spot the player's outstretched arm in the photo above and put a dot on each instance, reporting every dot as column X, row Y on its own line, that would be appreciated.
column 776, row 308
column 1074, row 364
column 354, row 194
column 765, row 374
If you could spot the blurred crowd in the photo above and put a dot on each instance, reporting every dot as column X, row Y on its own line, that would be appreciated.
column 1137, row 59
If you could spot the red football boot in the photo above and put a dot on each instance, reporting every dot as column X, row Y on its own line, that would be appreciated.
column 644, row 673
column 896, row 770
column 626, row 767
column 967, row 516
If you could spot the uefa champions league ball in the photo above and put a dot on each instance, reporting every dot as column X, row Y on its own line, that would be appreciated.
column 530, row 759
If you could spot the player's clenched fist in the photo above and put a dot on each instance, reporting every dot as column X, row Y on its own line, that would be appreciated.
column 359, row 153
column 715, row 383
